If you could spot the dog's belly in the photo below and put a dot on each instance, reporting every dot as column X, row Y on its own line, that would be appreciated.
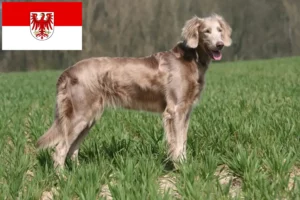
column 153, row 101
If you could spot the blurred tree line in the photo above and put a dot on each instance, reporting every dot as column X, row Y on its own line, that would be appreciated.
column 261, row 29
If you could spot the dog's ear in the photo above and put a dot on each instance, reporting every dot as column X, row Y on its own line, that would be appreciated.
column 190, row 32
column 226, row 34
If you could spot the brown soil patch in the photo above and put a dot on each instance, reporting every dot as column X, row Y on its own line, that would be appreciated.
column 295, row 173
column 224, row 175
column 168, row 184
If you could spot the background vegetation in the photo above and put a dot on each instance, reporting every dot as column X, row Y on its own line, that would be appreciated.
column 261, row 29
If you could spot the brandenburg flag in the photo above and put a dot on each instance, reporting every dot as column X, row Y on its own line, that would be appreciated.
column 41, row 26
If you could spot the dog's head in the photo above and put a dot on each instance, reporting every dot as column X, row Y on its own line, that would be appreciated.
column 211, row 33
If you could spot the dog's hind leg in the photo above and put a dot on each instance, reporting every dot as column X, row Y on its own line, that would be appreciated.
column 77, row 109
column 64, row 145
column 74, row 149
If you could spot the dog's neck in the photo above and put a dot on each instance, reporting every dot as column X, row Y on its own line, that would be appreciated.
column 198, row 55
column 203, row 57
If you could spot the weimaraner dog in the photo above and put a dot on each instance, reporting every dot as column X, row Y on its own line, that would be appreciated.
column 167, row 82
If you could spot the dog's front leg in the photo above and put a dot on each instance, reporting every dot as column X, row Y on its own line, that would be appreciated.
column 169, row 126
column 181, row 121
column 176, row 121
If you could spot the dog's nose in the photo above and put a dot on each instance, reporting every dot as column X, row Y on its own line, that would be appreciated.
column 220, row 45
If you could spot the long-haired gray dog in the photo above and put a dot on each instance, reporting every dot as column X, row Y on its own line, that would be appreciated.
column 167, row 82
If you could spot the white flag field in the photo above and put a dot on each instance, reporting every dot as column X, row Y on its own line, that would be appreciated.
column 41, row 26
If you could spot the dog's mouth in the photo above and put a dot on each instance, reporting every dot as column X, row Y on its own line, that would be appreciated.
column 214, row 54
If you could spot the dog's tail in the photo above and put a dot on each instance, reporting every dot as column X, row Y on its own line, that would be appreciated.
column 64, row 108
column 50, row 138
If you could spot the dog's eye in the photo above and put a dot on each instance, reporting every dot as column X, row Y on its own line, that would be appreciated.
column 207, row 31
column 220, row 30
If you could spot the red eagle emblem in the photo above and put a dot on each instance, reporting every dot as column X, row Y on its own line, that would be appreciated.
column 42, row 24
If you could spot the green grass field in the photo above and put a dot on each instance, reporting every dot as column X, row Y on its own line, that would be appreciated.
column 243, row 141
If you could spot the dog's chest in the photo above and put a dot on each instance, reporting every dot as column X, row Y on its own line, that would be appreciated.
column 197, row 88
